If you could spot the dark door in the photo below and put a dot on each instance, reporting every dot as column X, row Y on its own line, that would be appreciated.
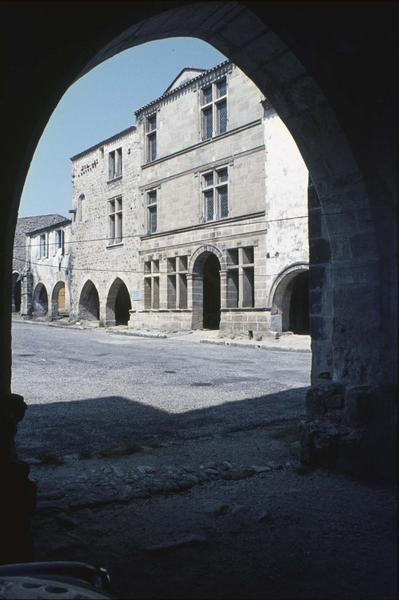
column 211, row 298
column 299, row 305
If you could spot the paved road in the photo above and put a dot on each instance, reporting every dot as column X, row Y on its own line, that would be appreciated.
column 93, row 389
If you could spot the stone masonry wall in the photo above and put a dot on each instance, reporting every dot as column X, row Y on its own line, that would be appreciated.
column 94, row 257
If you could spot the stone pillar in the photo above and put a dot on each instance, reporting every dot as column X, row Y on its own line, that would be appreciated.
column 18, row 493
column 223, row 288
column 197, row 286
column 27, row 294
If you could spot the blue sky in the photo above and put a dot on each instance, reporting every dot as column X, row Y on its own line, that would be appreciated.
column 99, row 105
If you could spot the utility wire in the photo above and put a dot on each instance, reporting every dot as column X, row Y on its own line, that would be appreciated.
column 145, row 273
column 228, row 224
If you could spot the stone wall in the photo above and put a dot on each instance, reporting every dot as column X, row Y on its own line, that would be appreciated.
column 96, row 256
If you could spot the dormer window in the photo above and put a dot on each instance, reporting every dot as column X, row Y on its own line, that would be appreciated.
column 151, row 137
column 214, row 109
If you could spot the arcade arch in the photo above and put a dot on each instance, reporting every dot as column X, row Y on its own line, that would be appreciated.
column 58, row 300
column 289, row 300
column 40, row 300
column 118, row 304
column 89, row 302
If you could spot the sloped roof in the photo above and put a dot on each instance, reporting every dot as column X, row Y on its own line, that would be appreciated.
column 30, row 224
column 185, row 75
column 171, row 90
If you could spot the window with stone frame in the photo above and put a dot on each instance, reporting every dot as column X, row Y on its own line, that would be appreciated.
column 215, row 197
column 213, row 102
column 115, row 164
column 152, row 217
column 43, row 245
column 151, row 137
column 60, row 241
column 115, row 220
column 240, row 278
column 151, row 284
column 177, row 282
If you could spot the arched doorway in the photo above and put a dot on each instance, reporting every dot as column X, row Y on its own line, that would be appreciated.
column 89, row 302
column 206, row 291
column 16, row 292
column 211, row 301
column 289, row 299
column 299, row 305
column 58, row 300
column 40, row 301
column 118, row 304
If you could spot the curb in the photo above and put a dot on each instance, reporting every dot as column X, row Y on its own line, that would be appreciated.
column 144, row 335
column 256, row 346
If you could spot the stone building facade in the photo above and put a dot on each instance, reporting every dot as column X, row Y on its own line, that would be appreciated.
column 105, row 229
column 195, row 217
column 40, row 266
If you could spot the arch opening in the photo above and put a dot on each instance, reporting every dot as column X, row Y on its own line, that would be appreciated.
column 40, row 301
column 59, row 308
column 118, row 304
column 16, row 293
column 290, row 301
column 206, row 291
column 89, row 303
column 299, row 305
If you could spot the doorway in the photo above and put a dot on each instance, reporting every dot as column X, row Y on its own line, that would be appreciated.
column 211, row 297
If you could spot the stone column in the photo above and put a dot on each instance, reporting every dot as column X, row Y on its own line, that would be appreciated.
column 27, row 294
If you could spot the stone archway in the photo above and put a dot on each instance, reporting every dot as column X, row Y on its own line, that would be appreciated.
column 40, row 301
column 89, row 302
column 289, row 300
column 16, row 292
column 58, row 300
column 118, row 304
column 206, row 294
column 353, row 232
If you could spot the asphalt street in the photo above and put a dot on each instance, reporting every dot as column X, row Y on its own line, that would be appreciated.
column 92, row 389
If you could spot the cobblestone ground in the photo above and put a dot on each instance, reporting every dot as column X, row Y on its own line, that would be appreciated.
column 174, row 465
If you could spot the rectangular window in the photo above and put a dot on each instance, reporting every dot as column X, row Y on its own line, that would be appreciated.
column 215, row 194
column 151, row 134
column 214, row 109
column 59, row 240
column 115, row 220
column 221, row 117
column 151, row 284
column 115, row 164
column 152, row 211
column 240, row 278
column 43, row 247
column 207, row 123
column 177, row 282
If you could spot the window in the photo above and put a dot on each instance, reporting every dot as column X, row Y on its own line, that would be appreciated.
column 115, row 164
column 152, row 211
column 214, row 109
column 115, row 220
column 43, row 245
column 81, row 210
column 59, row 240
column 151, row 284
column 177, row 282
column 215, row 194
column 240, row 278
column 151, row 135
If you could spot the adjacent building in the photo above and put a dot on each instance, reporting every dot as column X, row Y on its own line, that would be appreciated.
column 196, row 217
column 41, row 270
